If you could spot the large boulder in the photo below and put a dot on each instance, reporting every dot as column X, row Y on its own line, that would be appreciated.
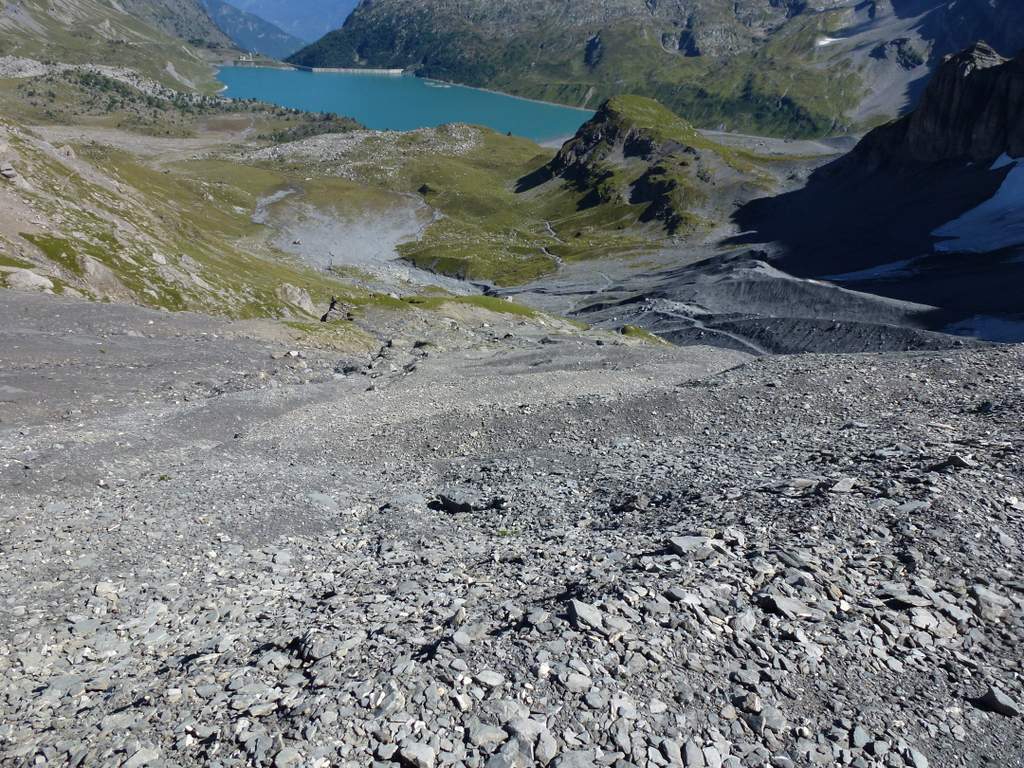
column 102, row 280
column 27, row 280
column 297, row 297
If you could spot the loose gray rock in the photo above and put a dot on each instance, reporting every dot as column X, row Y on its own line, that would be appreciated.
column 995, row 700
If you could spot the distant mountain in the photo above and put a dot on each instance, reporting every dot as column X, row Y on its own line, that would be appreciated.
column 307, row 20
column 250, row 32
column 786, row 67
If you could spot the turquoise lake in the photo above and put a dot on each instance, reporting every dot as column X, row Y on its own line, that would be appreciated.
column 401, row 102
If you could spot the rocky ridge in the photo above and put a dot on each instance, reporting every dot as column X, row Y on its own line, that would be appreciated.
column 971, row 112
column 636, row 152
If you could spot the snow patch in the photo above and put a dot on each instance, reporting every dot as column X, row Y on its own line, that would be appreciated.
column 821, row 42
column 988, row 328
column 1003, row 161
column 887, row 271
column 995, row 224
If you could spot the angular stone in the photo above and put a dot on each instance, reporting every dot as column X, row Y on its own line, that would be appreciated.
column 490, row 678
column 991, row 606
column 483, row 735
column 580, row 758
column 691, row 547
column 418, row 755
column 585, row 615
column 789, row 607
column 142, row 757
column 995, row 700
column 693, row 755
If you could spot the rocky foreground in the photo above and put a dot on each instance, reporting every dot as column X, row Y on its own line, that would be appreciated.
column 532, row 549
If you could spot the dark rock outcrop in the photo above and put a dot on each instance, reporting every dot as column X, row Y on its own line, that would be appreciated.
column 868, row 219
column 634, row 153
column 971, row 111
column 610, row 131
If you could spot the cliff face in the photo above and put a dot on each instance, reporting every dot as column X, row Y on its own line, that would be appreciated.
column 971, row 111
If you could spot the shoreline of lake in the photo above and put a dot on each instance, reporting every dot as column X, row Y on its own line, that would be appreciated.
column 506, row 94
column 403, row 73
column 384, row 101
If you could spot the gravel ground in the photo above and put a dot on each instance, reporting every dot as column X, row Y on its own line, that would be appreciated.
column 533, row 550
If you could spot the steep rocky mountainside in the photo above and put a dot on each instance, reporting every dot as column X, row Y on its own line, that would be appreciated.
column 187, row 19
column 931, row 208
column 250, row 32
column 972, row 111
column 795, row 68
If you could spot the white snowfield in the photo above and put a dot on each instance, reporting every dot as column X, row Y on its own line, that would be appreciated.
column 995, row 224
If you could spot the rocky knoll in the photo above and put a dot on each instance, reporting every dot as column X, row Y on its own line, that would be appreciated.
column 635, row 152
column 971, row 111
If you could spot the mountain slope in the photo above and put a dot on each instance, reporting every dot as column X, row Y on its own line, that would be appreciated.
column 186, row 19
column 972, row 111
column 143, row 35
column 250, row 32
column 308, row 20
column 794, row 68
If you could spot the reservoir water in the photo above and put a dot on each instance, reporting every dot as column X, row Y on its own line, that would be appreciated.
column 401, row 102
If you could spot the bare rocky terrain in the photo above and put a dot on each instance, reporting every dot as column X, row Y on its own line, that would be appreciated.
column 510, row 547
column 440, row 529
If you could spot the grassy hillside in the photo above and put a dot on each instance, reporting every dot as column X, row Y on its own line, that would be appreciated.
column 169, row 223
column 90, row 32
column 505, row 215
column 509, row 215
column 184, row 19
